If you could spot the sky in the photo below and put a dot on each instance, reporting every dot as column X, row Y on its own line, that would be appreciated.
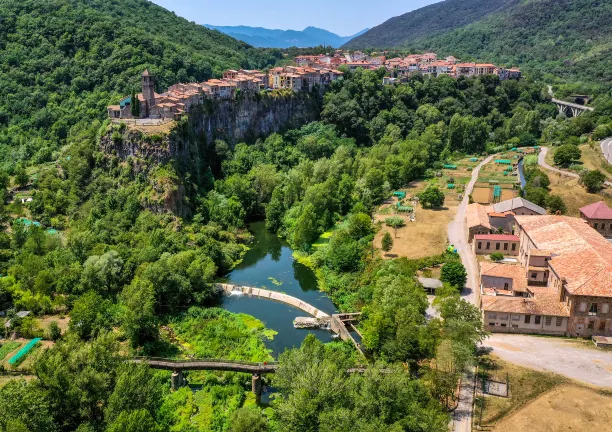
column 343, row 17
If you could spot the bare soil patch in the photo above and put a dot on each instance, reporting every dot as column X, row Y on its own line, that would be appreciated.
column 427, row 235
column 564, row 408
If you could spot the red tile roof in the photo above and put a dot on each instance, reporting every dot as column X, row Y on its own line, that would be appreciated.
column 598, row 210
column 497, row 237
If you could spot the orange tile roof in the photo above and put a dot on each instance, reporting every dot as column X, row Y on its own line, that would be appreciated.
column 542, row 304
column 539, row 253
column 476, row 214
column 580, row 255
column 505, row 271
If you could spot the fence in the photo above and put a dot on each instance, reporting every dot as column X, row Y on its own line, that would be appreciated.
column 144, row 122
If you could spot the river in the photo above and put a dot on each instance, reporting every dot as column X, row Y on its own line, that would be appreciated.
column 270, row 265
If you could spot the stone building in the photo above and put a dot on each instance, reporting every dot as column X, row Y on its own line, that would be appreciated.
column 599, row 217
column 566, row 269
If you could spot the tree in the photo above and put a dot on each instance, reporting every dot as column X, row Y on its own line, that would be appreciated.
column 248, row 420
column 25, row 404
column 21, row 177
column 134, row 421
column 135, row 106
column 432, row 197
column 306, row 229
column 555, row 204
column 90, row 315
column 359, row 225
column 102, row 273
column 138, row 311
column 454, row 273
column 387, row 242
column 593, row 180
column 566, row 154
column 53, row 331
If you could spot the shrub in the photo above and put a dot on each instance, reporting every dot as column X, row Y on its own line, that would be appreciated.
column 496, row 256
column 454, row 273
column 387, row 242
column 53, row 331
column 432, row 197
column 395, row 222
column 593, row 181
column 566, row 154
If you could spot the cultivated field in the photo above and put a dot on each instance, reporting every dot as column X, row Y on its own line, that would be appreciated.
column 494, row 174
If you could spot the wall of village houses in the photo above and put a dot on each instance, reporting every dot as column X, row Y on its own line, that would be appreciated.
column 490, row 246
column 586, row 322
column 496, row 282
column 478, row 229
column 502, row 322
column 506, row 223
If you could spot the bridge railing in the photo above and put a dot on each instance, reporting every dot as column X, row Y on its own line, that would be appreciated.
column 202, row 360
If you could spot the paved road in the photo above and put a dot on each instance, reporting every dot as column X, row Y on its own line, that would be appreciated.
column 544, row 151
column 457, row 235
column 606, row 148
column 563, row 356
column 542, row 162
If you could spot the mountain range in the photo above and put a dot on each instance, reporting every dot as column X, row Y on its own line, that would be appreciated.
column 571, row 39
column 267, row 38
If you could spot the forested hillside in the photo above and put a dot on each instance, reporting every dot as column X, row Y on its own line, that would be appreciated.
column 63, row 61
column 430, row 20
column 571, row 39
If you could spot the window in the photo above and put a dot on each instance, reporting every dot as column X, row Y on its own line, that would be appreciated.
column 604, row 308
column 548, row 320
column 516, row 318
column 488, row 245
column 492, row 315
column 583, row 306
column 503, row 317
column 527, row 319
column 505, row 246
column 596, row 225
column 593, row 309
column 602, row 325
column 492, row 324
column 538, row 318
column 534, row 275
column 506, row 286
column 479, row 245
column 513, row 247
column 504, row 325
column 559, row 321
column 591, row 325
column 497, row 245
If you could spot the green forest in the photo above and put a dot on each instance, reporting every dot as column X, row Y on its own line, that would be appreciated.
column 139, row 281
column 568, row 40
column 64, row 61
column 107, row 273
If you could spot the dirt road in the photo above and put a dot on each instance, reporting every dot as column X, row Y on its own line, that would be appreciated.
column 457, row 235
column 544, row 152
column 568, row 357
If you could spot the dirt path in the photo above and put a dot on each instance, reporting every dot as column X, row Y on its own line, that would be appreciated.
column 457, row 235
column 569, row 357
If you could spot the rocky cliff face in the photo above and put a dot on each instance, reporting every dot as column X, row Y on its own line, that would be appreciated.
column 242, row 120
column 187, row 147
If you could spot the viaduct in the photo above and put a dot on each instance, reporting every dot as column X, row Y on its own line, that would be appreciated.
column 570, row 109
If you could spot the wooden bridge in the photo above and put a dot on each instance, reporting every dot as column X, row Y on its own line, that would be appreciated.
column 207, row 364
column 570, row 109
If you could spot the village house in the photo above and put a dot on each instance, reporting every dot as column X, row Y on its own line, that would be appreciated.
column 499, row 217
column 599, row 216
column 562, row 283
column 506, row 244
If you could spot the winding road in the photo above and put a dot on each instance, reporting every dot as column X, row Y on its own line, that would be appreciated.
column 606, row 149
column 458, row 236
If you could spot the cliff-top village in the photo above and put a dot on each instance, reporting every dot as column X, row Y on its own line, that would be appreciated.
column 311, row 71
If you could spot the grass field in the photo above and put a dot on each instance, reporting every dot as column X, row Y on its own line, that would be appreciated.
column 592, row 158
column 428, row 234
column 574, row 194
column 541, row 401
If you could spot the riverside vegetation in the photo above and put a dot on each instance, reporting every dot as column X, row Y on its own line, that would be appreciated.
column 137, row 280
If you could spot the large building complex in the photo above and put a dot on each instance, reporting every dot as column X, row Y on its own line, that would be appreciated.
column 561, row 284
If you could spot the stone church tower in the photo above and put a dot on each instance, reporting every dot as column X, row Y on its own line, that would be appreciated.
column 148, row 92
